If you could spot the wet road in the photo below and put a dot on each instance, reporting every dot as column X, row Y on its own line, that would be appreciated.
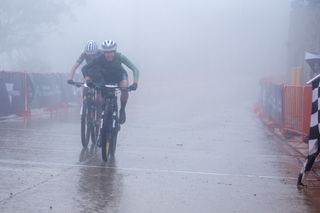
column 197, row 151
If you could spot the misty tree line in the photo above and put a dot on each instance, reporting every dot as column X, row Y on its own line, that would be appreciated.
column 24, row 23
column 304, row 31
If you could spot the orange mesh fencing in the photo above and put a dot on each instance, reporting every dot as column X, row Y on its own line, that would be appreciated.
column 297, row 109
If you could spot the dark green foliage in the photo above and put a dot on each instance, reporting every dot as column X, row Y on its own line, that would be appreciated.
column 24, row 22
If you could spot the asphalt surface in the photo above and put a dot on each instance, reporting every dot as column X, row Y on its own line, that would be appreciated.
column 187, row 149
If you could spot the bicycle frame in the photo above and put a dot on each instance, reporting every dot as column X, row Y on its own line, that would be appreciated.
column 109, row 127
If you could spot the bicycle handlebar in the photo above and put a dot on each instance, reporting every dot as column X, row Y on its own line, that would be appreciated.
column 77, row 84
column 99, row 86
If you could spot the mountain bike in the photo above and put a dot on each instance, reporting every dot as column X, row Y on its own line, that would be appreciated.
column 89, row 116
column 110, row 125
column 106, row 132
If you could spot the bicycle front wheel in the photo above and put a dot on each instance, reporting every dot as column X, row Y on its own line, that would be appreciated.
column 106, row 136
column 113, row 141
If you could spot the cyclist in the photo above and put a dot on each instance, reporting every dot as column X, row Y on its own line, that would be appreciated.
column 109, row 64
column 91, row 51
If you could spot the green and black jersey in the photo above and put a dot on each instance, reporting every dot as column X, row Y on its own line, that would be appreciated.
column 130, row 65
column 101, row 64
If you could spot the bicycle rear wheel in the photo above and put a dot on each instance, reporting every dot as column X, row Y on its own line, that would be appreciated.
column 85, row 130
column 94, row 134
column 94, row 129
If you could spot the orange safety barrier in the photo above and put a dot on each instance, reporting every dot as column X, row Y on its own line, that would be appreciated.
column 297, row 102
column 20, row 92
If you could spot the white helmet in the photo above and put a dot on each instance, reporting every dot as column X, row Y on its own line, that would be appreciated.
column 109, row 46
column 91, row 48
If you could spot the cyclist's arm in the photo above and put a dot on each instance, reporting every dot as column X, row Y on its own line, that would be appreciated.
column 73, row 71
column 75, row 66
column 131, row 66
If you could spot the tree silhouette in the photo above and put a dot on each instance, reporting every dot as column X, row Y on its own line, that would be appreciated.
column 23, row 23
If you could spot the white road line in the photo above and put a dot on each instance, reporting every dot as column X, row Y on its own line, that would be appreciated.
column 148, row 170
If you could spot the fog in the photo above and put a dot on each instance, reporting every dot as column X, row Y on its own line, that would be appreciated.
column 191, row 141
column 206, row 40
column 218, row 38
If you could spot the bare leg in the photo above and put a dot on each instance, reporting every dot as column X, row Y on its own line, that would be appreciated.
column 123, row 99
column 124, row 94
